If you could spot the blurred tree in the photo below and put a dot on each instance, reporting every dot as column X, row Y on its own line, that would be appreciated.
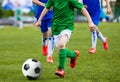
column 5, row 13
column 115, row 4
column 117, row 10
column 1, row 9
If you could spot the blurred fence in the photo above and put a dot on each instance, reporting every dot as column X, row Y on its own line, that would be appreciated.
column 78, row 15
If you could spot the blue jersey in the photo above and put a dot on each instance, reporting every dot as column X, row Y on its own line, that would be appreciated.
column 93, row 7
column 39, row 11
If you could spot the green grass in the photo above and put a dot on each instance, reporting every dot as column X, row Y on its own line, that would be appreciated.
column 18, row 45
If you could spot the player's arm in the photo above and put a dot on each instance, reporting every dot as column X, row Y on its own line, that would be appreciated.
column 80, row 6
column 38, row 3
column 90, row 22
column 108, row 7
column 38, row 23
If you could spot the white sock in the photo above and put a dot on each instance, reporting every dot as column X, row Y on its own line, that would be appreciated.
column 50, row 46
column 94, row 39
column 101, row 36
column 20, row 24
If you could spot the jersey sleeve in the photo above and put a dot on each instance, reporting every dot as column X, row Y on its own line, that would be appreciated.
column 81, row 1
column 76, row 4
column 49, row 4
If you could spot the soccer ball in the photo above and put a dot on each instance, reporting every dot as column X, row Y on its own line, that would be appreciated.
column 32, row 69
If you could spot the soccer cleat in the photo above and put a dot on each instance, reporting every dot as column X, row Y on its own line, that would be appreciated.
column 49, row 59
column 73, row 60
column 60, row 72
column 44, row 50
column 105, row 44
column 92, row 51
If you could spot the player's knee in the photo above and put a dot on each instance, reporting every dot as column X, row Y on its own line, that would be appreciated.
column 61, row 46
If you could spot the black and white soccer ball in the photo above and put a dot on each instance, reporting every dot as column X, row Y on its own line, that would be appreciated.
column 32, row 68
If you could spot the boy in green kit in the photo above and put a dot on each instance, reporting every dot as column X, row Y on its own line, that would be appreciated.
column 62, row 28
column 18, row 15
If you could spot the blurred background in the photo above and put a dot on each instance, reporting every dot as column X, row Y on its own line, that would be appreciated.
column 8, row 8
column 8, row 11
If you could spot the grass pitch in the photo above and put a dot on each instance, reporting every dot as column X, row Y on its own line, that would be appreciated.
column 16, row 46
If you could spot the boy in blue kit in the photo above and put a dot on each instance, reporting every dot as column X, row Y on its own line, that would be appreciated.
column 45, row 27
column 93, row 7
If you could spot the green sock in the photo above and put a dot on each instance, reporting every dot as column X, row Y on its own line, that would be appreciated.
column 70, row 54
column 62, row 58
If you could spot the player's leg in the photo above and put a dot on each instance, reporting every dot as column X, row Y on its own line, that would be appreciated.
column 20, row 23
column 94, row 42
column 50, row 49
column 92, row 50
column 103, row 39
column 63, row 52
column 44, row 31
column 50, row 42
column 99, row 34
column 73, row 55
column 60, row 42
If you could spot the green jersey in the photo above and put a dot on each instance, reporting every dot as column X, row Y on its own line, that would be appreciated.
column 63, row 14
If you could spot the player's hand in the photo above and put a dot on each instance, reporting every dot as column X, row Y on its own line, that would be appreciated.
column 92, row 27
column 37, row 24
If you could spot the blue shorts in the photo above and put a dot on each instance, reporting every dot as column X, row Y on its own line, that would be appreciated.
column 45, row 24
column 95, row 18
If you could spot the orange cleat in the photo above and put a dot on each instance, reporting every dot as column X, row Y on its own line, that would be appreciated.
column 44, row 50
column 49, row 59
column 73, row 60
column 60, row 72
column 105, row 44
column 92, row 51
